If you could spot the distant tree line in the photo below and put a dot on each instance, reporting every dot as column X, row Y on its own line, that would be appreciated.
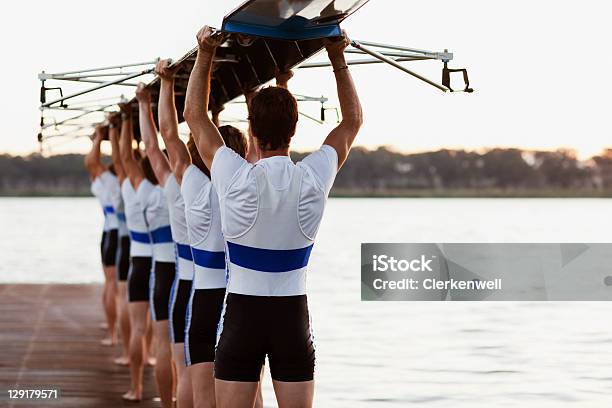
column 38, row 175
column 503, row 172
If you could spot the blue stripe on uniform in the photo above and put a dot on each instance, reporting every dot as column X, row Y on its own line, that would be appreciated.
column 142, row 237
column 184, row 251
column 268, row 260
column 108, row 209
column 121, row 217
column 208, row 259
column 162, row 235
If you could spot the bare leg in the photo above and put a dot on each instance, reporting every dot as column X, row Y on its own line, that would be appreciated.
column 164, row 373
column 109, row 300
column 235, row 394
column 203, row 384
column 184, row 393
column 138, row 320
column 149, row 344
column 294, row 394
column 259, row 399
column 124, row 323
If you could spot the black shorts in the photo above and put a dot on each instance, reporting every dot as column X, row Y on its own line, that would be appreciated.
column 138, row 279
column 123, row 259
column 255, row 326
column 161, row 286
column 202, row 321
column 181, row 291
column 108, row 247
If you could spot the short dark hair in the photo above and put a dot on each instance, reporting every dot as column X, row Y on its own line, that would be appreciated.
column 273, row 116
column 233, row 138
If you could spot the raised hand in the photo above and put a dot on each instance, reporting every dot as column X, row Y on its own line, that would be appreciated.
column 99, row 133
column 209, row 39
column 283, row 77
column 336, row 46
column 143, row 94
column 163, row 70
column 114, row 118
column 125, row 108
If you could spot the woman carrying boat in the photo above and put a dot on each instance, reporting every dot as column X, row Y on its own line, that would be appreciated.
column 101, row 177
column 122, row 263
column 156, row 205
column 141, row 252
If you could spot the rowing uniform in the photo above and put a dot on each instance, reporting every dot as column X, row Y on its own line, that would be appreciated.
column 108, row 245
column 122, row 258
column 155, row 206
column 270, row 213
column 141, row 250
column 123, row 251
column 181, row 288
column 204, row 230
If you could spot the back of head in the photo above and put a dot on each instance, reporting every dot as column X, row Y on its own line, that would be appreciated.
column 145, row 164
column 234, row 139
column 273, row 116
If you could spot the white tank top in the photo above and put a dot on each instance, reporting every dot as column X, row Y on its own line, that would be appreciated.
column 204, row 230
column 153, row 201
column 100, row 189
column 271, row 257
column 140, row 241
column 178, row 224
column 121, row 220
column 271, row 212
column 114, row 189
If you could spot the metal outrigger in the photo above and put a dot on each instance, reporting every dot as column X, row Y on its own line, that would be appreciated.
column 241, row 67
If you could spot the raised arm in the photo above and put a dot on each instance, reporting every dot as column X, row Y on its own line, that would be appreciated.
column 252, row 155
column 216, row 113
column 342, row 137
column 205, row 133
column 168, row 121
column 148, row 131
column 93, row 164
column 282, row 78
column 130, row 165
column 113, row 135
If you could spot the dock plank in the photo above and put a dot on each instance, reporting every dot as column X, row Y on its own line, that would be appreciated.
column 50, row 336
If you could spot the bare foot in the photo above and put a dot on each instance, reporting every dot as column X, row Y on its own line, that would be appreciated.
column 132, row 396
column 122, row 361
column 107, row 342
column 151, row 361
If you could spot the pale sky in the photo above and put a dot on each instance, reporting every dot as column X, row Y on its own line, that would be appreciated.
column 541, row 69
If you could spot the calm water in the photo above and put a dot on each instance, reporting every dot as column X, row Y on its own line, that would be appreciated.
column 394, row 354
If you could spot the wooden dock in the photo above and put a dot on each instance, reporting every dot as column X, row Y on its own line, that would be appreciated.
column 50, row 336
